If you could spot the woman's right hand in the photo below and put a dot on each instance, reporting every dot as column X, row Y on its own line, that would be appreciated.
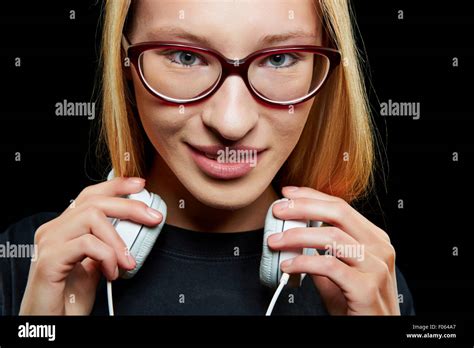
column 80, row 244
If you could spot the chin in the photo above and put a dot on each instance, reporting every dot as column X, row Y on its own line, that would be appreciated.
column 227, row 194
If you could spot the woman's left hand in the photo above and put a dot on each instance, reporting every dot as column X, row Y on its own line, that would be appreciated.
column 360, row 280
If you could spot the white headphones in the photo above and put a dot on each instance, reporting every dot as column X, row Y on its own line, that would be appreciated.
column 140, row 239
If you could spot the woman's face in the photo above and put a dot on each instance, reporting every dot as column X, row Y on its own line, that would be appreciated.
column 232, row 116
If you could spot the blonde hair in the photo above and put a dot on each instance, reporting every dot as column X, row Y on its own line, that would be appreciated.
column 335, row 153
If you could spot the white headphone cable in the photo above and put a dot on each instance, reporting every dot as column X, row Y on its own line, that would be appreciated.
column 283, row 282
column 110, row 299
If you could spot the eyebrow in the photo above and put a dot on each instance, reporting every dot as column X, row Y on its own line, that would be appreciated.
column 277, row 38
column 266, row 40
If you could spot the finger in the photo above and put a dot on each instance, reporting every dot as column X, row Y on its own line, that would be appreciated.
column 335, row 213
column 115, row 187
column 308, row 192
column 88, row 245
column 92, row 268
column 345, row 277
column 293, row 192
column 323, row 238
column 76, row 222
column 91, row 217
column 84, row 277
column 96, row 223
column 332, row 240
column 310, row 237
column 121, row 208
column 331, row 294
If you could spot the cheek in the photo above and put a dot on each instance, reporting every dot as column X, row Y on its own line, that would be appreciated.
column 161, row 122
column 287, row 126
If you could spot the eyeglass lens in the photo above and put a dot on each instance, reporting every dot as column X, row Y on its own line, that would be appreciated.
column 185, row 75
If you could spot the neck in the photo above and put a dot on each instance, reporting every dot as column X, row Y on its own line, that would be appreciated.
column 185, row 211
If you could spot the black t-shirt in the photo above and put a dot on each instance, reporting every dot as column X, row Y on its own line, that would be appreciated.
column 186, row 273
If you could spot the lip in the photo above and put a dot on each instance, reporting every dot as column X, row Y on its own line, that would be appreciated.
column 219, row 170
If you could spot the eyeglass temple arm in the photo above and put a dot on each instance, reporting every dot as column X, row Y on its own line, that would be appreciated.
column 125, row 44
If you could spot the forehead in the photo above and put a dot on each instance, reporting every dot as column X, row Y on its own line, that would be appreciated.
column 234, row 27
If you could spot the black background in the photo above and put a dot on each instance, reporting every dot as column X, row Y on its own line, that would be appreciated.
column 410, row 60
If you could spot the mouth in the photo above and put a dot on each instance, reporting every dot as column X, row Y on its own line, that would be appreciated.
column 225, row 163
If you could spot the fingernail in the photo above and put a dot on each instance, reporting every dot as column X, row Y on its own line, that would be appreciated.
column 137, row 181
column 286, row 263
column 291, row 188
column 276, row 237
column 116, row 273
column 282, row 205
column 131, row 261
column 153, row 213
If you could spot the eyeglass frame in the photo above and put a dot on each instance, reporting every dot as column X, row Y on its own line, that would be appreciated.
column 238, row 67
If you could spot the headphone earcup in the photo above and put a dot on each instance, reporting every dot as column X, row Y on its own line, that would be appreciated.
column 146, row 238
column 270, row 273
column 138, row 238
column 269, row 260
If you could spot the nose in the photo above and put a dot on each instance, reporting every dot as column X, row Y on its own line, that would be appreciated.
column 231, row 111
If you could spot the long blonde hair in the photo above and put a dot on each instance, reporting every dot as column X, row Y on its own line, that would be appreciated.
column 335, row 153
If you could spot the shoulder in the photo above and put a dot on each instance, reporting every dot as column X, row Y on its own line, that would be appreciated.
column 16, row 249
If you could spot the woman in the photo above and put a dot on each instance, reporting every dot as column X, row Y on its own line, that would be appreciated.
column 169, row 111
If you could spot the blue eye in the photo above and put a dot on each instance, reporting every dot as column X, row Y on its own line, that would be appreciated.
column 283, row 60
column 185, row 58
